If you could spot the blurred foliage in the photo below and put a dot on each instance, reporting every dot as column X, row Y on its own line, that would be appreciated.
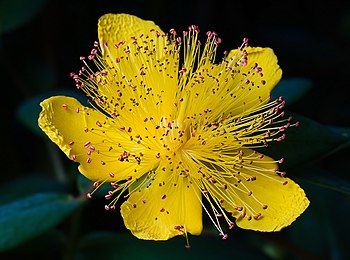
column 43, row 208
column 26, row 218
column 15, row 13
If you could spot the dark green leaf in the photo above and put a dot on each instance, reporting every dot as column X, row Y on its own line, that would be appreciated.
column 15, row 13
column 28, row 112
column 309, row 142
column 25, row 186
column 325, row 179
column 291, row 89
column 105, row 245
column 322, row 228
column 27, row 218
column 343, row 131
column 53, row 240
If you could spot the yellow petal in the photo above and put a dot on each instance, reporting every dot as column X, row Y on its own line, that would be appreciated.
column 268, row 203
column 170, row 206
column 85, row 136
column 233, row 87
column 138, row 60
column 116, row 28
column 253, row 86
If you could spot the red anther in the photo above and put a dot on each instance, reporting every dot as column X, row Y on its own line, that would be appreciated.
column 297, row 124
column 257, row 216
column 106, row 207
column 91, row 57
column 282, row 174
column 73, row 157
column 285, row 183
column 183, row 70
column 245, row 40
column 86, row 129
column 95, row 184
column 71, row 74
column 129, row 178
column 92, row 148
column 64, row 106
column 231, row 225
column 258, row 69
column 111, row 174
column 281, row 160
column 88, row 195
column 93, row 52
column 163, row 197
column 71, row 143
column 162, row 209
column 98, row 124
column 187, row 246
column 283, row 103
column 108, row 197
column 87, row 144
column 281, row 138
column 82, row 58
column 282, row 129
column 117, row 60
column 224, row 236
column 209, row 34
column 88, row 160
column 218, row 40
column 112, row 207
column 172, row 31
column 105, row 44
column 264, row 206
column 178, row 227
column 95, row 44
column 103, row 163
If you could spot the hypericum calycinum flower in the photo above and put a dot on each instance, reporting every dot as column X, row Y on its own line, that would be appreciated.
column 171, row 129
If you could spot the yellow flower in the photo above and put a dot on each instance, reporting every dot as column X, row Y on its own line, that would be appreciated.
column 173, row 131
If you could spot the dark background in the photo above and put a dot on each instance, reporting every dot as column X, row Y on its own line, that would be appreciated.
column 40, row 44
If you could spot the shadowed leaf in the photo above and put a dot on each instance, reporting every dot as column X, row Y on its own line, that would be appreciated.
column 309, row 142
column 29, row 217
column 291, row 89
column 15, row 13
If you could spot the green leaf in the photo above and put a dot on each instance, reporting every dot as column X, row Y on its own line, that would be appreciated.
column 106, row 245
column 322, row 229
column 54, row 241
column 307, row 143
column 15, row 13
column 292, row 89
column 29, row 217
column 325, row 179
column 25, row 186
column 28, row 112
